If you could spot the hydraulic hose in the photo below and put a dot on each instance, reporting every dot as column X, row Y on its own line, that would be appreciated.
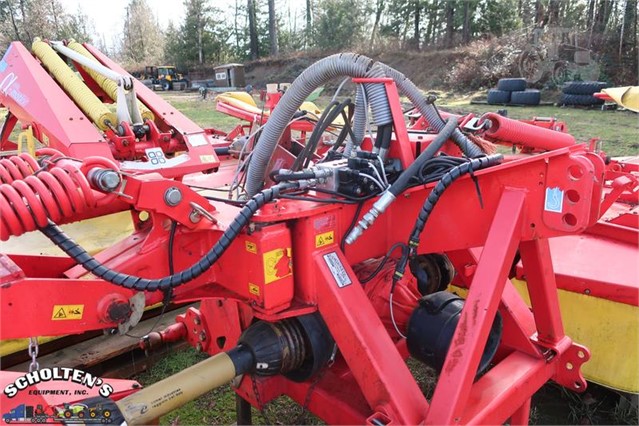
column 447, row 180
column 88, row 262
column 359, row 122
column 411, row 91
column 402, row 182
column 429, row 204
column 343, row 64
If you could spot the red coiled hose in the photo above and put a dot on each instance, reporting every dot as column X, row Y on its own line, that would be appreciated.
column 61, row 192
column 518, row 133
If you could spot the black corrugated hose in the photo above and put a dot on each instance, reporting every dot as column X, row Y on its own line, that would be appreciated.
column 447, row 179
column 88, row 262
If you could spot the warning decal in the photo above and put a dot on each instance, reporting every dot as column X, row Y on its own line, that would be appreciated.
column 337, row 269
column 251, row 247
column 324, row 239
column 67, row 312
column 277, row 264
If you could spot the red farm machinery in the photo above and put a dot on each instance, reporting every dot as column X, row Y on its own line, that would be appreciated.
column 320, row 263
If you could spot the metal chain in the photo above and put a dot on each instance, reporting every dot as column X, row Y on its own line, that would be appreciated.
column 260, row 406
column 307, row 399
column 33, row 350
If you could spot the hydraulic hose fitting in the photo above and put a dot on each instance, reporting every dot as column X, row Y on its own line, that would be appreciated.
column 369, row 218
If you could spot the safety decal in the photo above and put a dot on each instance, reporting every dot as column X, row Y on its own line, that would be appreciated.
column 67, row 312
column 254, row 289
column 324, row 239
column 337, row 269
column 251, row 247
column 554, row 200
column 206, row 159
column 277, row 264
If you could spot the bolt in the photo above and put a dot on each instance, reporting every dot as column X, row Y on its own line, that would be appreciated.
column 196, row 320
column 195, row 216
column 202, row 336
column 198, row 347
column 105, row 179
column 172, row 196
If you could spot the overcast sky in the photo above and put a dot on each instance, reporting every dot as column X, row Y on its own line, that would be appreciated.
column 108, row 16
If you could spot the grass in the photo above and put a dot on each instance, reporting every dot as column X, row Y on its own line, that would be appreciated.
column 551, row 405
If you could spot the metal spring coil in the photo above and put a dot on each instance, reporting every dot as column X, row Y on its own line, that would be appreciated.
column 27, row 204
column 17, row 167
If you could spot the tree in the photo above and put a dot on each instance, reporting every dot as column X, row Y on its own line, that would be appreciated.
column 143, row 42
column 339, row 24
column 272, row 28
column 308, row 30
column 378, row 15
column 252, row 18
column 450, row 23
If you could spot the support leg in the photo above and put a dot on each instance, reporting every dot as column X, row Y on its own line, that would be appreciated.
column 521, row 416
column 455, row 382
column 243, row 411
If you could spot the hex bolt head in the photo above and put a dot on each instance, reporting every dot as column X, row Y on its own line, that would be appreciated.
column 172, row 196
column 109, row 181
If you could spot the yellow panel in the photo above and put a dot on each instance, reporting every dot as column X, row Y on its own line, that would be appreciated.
column 609, row 329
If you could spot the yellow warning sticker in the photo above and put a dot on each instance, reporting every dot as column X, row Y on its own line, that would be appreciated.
column 277, row 264
column 251, row 247
column 254, row 289
column 67, row 312
column 207, row 159
column 324, row 239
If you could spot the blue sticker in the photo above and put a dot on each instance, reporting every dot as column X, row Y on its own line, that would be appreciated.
column 3, row 62
column 554, row 200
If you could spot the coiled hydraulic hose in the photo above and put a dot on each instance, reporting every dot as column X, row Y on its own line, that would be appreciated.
column 17, row 167
column 88, row 262
column 81, row 94
column 343, row 64
column 411, row 91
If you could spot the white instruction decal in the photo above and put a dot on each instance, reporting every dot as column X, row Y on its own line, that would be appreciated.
column 197, row 140
column 156, row 160
column 554, row 200
column 337, row 269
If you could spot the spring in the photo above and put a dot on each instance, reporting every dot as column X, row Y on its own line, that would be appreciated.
column 27, row 204
column 17, row 167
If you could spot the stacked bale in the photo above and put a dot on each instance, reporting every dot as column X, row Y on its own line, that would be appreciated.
column 513, row 91
column 581, row 93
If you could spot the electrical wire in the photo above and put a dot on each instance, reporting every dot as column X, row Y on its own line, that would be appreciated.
column 392, row 314
column 383, row 262
column 168, row 294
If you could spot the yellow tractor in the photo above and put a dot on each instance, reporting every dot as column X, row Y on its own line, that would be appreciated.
column 165, row 76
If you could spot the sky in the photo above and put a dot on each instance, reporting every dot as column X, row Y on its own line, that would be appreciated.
column 108, row 16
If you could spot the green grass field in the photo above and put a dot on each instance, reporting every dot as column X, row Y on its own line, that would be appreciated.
column 552, row 405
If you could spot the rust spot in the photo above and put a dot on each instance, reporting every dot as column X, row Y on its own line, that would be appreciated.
column 462, row 329
column 475, row 311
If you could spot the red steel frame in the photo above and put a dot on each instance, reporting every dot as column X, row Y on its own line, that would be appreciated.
column 369, row 379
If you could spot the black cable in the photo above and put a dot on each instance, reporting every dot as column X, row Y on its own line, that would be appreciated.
column 88, row 262
column 383, row 262
column 358, row 211
column 225, row 200
column 316, row 200
column 311, row 140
